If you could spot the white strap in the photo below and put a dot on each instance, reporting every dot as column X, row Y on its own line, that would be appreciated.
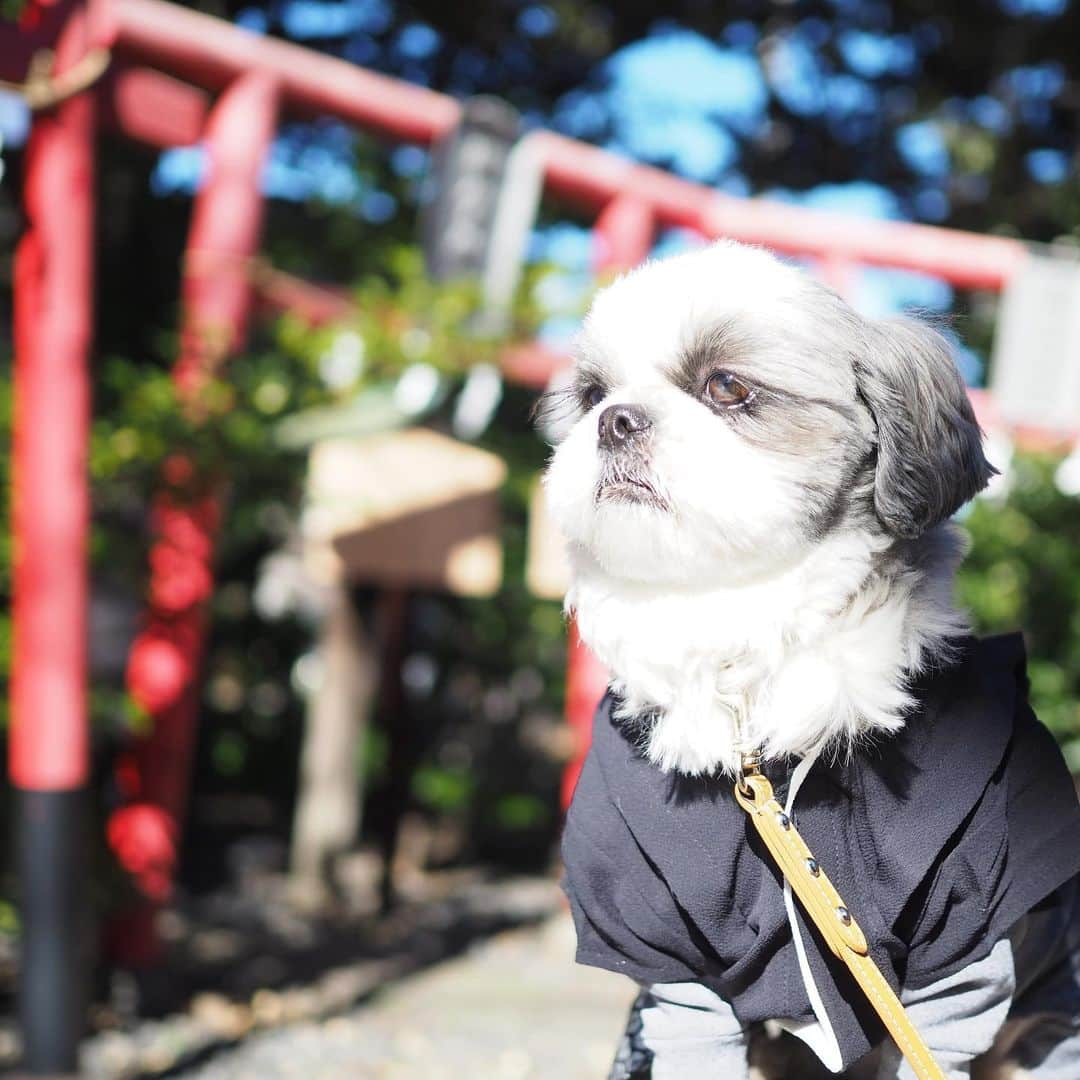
column 819, row 1036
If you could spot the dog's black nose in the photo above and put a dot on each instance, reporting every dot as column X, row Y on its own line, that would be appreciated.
column 619, row 424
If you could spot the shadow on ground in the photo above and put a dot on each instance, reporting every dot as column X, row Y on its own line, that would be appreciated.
column 246, row 960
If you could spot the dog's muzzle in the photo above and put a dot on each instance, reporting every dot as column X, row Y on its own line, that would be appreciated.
column 622, row 438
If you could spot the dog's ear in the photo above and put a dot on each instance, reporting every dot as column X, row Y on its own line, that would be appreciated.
column 929, row 447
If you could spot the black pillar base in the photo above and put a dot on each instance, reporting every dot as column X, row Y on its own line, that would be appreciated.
column 54, row 913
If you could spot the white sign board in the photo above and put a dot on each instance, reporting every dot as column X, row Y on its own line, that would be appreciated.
column 547, row 571
column 1035, row 372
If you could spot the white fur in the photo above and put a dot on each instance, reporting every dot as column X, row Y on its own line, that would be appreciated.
column 725, row 605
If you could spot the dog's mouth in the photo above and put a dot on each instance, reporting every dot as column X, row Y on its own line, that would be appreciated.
column 630, row 489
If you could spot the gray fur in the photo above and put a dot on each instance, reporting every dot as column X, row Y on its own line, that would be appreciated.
column 923, row 451
column 929, row 447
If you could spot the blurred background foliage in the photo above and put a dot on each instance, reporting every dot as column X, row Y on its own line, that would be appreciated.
column 1023, row 571
column 959, row 113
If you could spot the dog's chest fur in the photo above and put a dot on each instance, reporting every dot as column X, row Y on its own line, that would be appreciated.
column 816, row 654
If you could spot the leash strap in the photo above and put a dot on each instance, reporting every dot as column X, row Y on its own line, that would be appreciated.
column 831, row 916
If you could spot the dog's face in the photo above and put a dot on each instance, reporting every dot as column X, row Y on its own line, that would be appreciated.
column 726, row 413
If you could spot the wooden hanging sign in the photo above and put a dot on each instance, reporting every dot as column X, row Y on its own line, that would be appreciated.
column 410, row 508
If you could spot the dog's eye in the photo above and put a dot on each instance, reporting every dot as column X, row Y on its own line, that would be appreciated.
column 593, row 395
column 724, row 389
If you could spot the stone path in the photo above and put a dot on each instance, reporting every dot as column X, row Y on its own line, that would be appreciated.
column 513, row 1008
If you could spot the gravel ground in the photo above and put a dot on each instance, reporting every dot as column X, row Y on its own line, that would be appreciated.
column 468, row 977
column 515, row 1007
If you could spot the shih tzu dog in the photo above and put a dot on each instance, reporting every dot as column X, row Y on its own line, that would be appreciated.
column 754, row 483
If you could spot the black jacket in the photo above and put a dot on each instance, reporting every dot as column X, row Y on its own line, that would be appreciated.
column 939, row 838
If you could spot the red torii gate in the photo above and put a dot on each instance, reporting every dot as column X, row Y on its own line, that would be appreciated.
column 162, row 61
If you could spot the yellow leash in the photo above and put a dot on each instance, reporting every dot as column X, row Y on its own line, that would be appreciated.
column 829, row 913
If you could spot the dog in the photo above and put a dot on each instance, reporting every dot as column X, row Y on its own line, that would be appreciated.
column 755, row 485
